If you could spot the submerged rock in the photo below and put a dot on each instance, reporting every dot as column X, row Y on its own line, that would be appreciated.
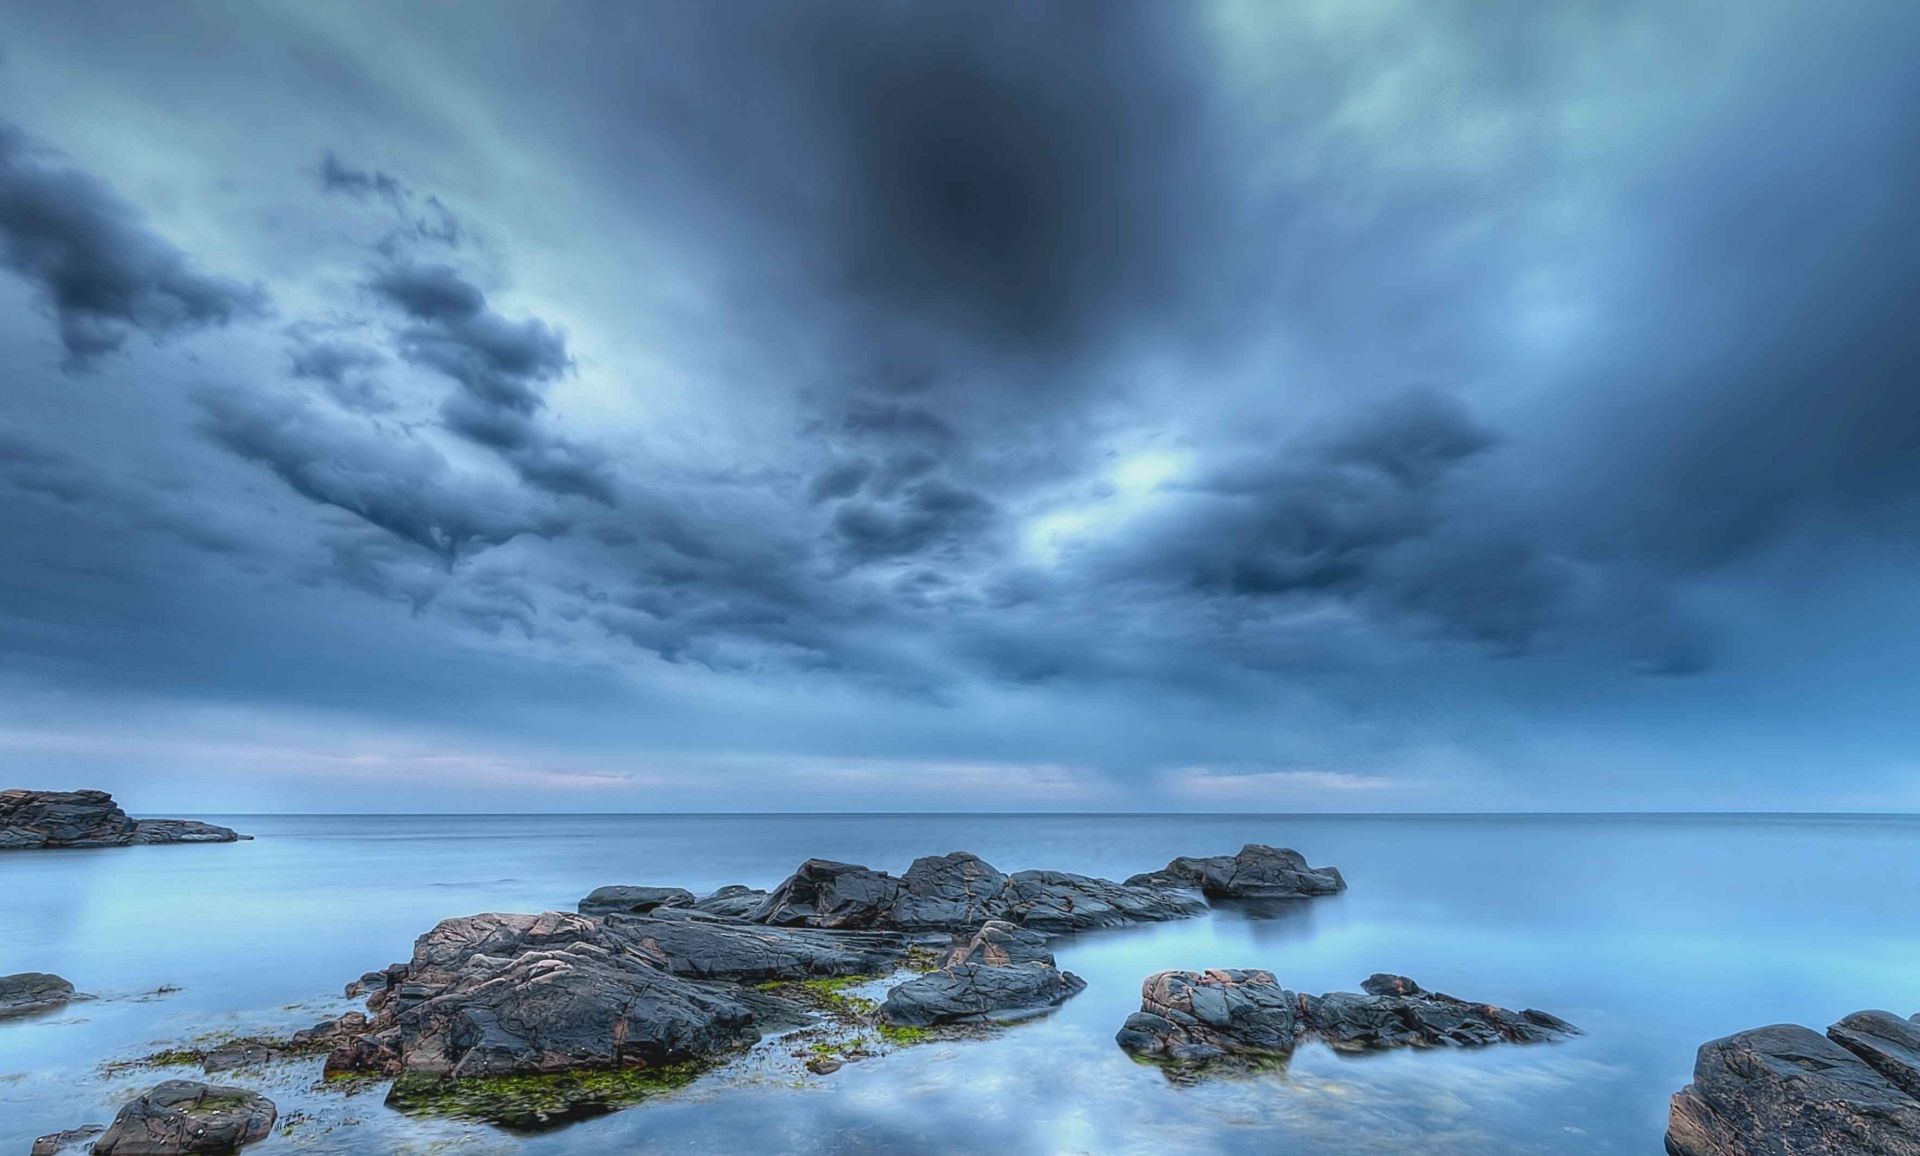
column 1786, row 1090
column 1257, row 872
column 31, row 992
column 634, row 900
column 47, row 819
column 181, row 1116
column 1190, row 1017
column 978, row 991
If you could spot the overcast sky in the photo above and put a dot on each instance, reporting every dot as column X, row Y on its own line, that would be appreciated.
column 1358, row 405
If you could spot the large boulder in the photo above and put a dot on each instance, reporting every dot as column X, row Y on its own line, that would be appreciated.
column 1888, row 1044
column 626, row 900
column 36, row 819
column 1787, row 1090
column 181, row 1116
column 998, row 943
column 1059, row 901
column 714, row 948
column 1192, row 1017
column 1257, row 872
column 943, row 892
column 978, row 991
column 31, row 992
column 734, row 901
column 823, row 893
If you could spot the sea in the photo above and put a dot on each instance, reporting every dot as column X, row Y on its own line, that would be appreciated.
column 1652, row 933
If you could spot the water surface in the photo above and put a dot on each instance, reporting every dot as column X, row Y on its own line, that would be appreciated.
column 1653, row 933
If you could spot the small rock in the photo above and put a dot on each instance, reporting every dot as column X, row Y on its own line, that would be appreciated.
column 181, row 1116
column 998, row 944
column 973, row 991
column 1257, row 872
column 239, row 1056
column 30, row 992
column 824, row 1065
column 54, row 1143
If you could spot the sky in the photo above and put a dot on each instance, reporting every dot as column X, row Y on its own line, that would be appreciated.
column 1360, row 405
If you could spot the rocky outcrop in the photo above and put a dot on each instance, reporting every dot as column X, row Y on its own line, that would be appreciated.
column 944, row 892
column 1786, row 1090
column 32, row 992
column 1194, row 1017
column 1257, row 872
column 733, row 901
column 625, row 900
column 823, row 893
column 752, row 953
column 1059, row 901
column 181, row 1116
column 46, row 819
column 1000, row 972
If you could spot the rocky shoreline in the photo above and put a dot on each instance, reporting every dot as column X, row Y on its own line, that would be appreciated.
column 42, row 820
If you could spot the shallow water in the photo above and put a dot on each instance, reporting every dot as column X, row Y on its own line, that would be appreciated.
column 1653, row 933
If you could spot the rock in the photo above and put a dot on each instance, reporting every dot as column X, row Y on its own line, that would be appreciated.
column 31, row 992
column 751, row 953
column 943, row 892
column 1189, row 1016
column 825, row 1065
column 823, row 893
column 733, row 901
column 1257, row 872
column 975, row 991
column 329, row 1033
column 633, row 900
column 247, row 1055
column 181, row 1116
column 55, row 1143
column 1786, row 1090
column 1888, row 1044
column 1059, row 901
column 998, row 944
column 42, row 819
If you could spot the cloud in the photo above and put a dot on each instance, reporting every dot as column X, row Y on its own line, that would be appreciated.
column 95, row 264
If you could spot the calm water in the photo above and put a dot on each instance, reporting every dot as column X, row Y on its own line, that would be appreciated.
column 1652, row 933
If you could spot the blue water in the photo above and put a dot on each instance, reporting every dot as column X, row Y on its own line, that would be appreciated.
column 1654, row 933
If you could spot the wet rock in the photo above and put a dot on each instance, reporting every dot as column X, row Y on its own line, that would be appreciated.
column 55, row 1143
column 1257, row 872
column 825, row 1065
column 633, row 900
column 499, row 995
column 1888, row 1044
column 1197, row 1016
column 1059, row 901
column 733, row 901
column 975, row 991
column 752, row 953
column 943, row 892
column 823, row 893
column 50, row 819
column 1786, row 1090
column 246, row 1055
column 998, row 944
column 181, row 1116
column 329, row 1033
column 32, row 992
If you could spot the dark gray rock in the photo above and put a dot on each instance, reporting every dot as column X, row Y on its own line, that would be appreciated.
column 181, row 1116
column 1058, row 901
column 51, row 819
column 1196, row 1016
column 495, row 995
column 1888, row 1044
column 944, row 892
column 823, row 893
column 55, row 1143
column 733, row 901
column 245, row 1055
column 998, row 944
column 1257, row 872
column 975, row 991
column 1786, row 1090
column 716, row 948
column 31, row 992
column 1190, row 1017
column 633, row 900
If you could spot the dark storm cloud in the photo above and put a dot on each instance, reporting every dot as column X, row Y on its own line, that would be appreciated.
column 423, row 218
column 97, row 267
column 344, row 365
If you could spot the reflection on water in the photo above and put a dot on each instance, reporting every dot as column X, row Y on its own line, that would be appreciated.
column 1652, row 933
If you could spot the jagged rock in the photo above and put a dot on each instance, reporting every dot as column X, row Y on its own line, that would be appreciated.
column 181, row 1116
column 943, row 892
column 823, row 893
column 633, row 900
column 55, row 1143
column 751, row 953
column 37, row 819
column 733, row 901
column 1786, row 1090
column 1257, row 872
column 1888, row 1044
column 31, row 992
column 1195, row 1016
column 494, row 995
column 975, row 991
column 998, row 944
column 1190, row 1016
column 1059, row 901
